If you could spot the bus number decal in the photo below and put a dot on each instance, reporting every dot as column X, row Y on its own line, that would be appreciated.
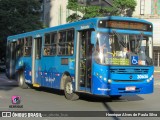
column 142, row 76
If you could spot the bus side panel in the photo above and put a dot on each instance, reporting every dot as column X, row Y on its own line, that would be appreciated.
column 52, row 71
column 99, row 79
column 49, row 73
column 25, row 63
column 28, row 69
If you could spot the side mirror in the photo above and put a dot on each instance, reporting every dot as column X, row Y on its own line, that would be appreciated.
column 93, row 37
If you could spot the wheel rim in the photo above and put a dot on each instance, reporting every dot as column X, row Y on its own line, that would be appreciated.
column 20, row 80
column 69, row 88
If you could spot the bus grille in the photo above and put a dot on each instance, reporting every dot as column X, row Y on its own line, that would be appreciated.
column 129, row 70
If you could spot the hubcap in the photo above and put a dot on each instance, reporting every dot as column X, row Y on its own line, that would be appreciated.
column 69, row 88
column 20, row 79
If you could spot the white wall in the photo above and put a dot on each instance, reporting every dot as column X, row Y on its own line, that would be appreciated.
column 156, row 31
column 149, row 17
column 56, row 12
column 147, row 7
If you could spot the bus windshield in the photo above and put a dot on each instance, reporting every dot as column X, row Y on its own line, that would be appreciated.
column 122, row 49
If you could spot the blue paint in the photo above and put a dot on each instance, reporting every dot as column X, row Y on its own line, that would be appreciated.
column 49, row 71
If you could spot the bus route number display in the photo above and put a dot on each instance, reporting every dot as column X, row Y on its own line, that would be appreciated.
column 125, row 25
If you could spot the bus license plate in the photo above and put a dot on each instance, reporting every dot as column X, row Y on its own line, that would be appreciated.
column 132, row 88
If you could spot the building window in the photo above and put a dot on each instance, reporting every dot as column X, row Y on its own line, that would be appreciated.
column 142, row 7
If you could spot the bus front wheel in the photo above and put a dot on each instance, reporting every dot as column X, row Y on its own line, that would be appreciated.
column 21, row 80
column 68, row 90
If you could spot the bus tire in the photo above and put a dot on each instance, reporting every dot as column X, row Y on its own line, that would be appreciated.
column 21, row 81
column 115, row 96
column 68, row 90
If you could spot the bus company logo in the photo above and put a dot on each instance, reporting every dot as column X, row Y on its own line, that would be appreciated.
column 130, row 76
column 15, row 99
column 85, row 27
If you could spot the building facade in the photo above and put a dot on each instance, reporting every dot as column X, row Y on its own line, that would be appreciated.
column 55, row 12
column 150, row 11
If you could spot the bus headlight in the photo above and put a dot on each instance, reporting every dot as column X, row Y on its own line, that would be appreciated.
column 149, row 79
column 101, row 56
column 109, row 80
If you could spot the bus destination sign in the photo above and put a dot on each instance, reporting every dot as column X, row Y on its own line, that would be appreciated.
column 125, row 25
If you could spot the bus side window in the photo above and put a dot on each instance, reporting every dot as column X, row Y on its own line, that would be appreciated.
column 50, row 44
column 70, row 42
column 61, row 42
column 46, row 44
column 53, row 43
column 20, row 47
column 65, row 42
column 27, row 46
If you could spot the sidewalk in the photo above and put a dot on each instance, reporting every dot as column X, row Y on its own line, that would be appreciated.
column 157, row 69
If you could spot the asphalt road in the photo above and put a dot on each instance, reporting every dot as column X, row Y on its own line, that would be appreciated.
column 54, row 100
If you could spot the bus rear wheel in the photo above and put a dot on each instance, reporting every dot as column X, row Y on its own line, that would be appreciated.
column 68, row 90
column 21, row 81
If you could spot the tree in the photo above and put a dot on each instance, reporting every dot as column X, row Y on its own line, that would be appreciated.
column 18, row 16
column 123, row 7
column 118, row 8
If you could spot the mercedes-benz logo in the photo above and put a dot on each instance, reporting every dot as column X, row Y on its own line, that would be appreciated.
column 130, row 76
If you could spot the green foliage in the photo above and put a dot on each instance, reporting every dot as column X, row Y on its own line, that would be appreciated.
column 73, row 17
column 118, row 8
column 18, row 16
column 123, row 7
column 73, row 5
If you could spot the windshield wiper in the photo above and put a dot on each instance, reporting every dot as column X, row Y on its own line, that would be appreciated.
column 138, row 43
column 120, row 41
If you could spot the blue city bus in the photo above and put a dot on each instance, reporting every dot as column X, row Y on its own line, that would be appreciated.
column 107, row 56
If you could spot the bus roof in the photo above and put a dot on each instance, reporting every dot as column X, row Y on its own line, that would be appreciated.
column 75, row 24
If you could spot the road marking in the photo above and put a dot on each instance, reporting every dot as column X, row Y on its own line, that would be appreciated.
column 10, row 81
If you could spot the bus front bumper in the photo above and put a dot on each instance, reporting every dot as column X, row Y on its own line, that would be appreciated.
column 130, row 88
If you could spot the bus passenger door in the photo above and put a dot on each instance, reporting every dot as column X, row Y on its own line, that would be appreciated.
column 36, row 61
column 11, row 60
column 85, row 60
